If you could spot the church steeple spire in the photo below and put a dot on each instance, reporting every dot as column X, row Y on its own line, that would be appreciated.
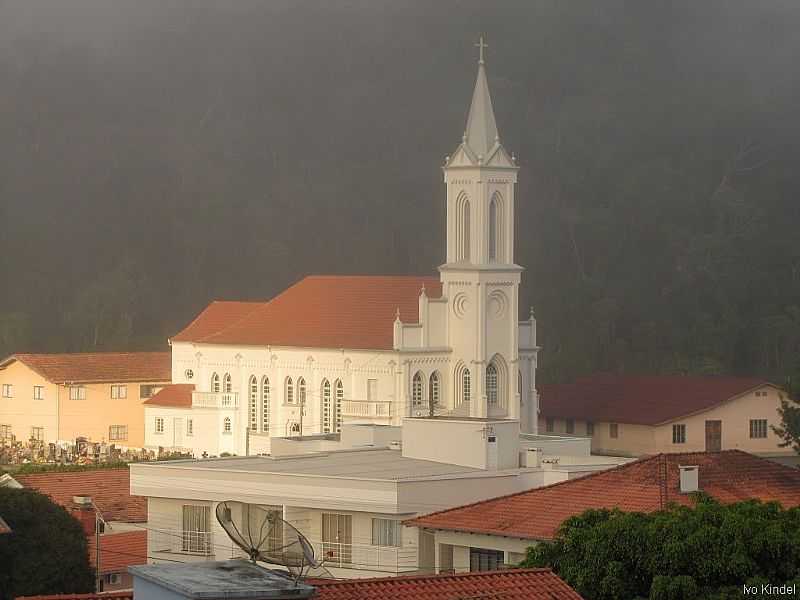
column 481, row 133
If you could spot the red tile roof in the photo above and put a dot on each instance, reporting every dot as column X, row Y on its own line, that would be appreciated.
column 645, row 485
column 511, row 584
column 4, row 528
column 98, row 367
column 177, row 395
column 110, row 490
column 643, row 400
column 118, row 551
column 320, row 311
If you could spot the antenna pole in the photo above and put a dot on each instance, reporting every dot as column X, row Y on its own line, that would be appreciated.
column 98, row 582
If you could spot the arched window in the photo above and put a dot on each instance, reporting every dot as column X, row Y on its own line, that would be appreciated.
column 294, row 429
column 465, row 221
column 416, row 389
column 252, row 406
column 227, row 384
column 301, row 390
column 226, row 425
column 215, row 383
column 326, row 406
column 434, row 389
column 493, row 230
column 265, row 405
column 289, row 391
column 466, row 392
column 462, row 227
column 491, row 384
column 338, row 409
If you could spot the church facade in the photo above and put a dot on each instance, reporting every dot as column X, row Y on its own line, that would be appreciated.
column 369, row 349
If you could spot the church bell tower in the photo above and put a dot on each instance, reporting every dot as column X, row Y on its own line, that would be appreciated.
column 480, row 279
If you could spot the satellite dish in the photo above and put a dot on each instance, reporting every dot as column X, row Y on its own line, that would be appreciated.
column 266, row 537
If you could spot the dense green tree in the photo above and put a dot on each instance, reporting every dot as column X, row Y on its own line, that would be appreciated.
column 47, row 551
column 703, row 552
column 789, row 429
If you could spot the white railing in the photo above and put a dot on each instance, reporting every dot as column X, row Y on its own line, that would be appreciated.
column 366, row 557
column 367, row 408
column 215, row 399
column 177, row 541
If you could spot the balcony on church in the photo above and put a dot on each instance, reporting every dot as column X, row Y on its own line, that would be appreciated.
column 374, row 409
column 215, row 400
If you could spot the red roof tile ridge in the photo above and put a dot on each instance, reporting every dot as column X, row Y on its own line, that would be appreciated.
column 588, row 477
column 429, row 576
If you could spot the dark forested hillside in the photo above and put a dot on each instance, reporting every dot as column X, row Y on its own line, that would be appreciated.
column 157, row 154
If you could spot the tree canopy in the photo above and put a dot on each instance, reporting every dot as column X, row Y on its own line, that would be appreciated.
column 704, row 552
column 47, row 552
column 155, row 156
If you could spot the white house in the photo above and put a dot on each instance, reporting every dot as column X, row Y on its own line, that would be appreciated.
column 331, row 349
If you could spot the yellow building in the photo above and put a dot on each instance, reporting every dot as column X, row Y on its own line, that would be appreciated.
column 94, row 395
column 637, row 415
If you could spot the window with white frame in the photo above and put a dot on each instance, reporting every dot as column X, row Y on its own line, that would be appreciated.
column 159, row 425
column 119, row 392
column 8, row 390
column 416, row 389
column 493, row 230
column 386, row 532
column 226, row 425
column 117, row 433
column 485, row 559
column 327, row 406
column 112, row 579
column 5, row 432
column 196, row 535
column 491, row 384
column 372, row 390
column 338, row 410
column 227, row 383
column 434, row 388
column 37, row 433
column 189, row 427
column 289, row 391
column 77, row 392
column 253, row 403
column 215, row 383
column 146, row 391
column 758, row 428
column 189, row 374
column 265, row 405
column 38, row 392
column 679, row 433
column 466, row 392
column 301, row 391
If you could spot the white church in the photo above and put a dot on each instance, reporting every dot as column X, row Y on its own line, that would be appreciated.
column 371, row 349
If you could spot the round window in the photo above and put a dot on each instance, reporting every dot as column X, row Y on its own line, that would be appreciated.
column 189, row 374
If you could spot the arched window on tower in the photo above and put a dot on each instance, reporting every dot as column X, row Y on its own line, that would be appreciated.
column 265, row 405
column 327, row 407
column 491, row 385
column 227, row 383
column 301, row 391
column 494, row 230
column 465, row 220
column 434, row 389
column 338, row 409
column 466, row 391
column 252, row 405
column 462, row 227
column 215, row 383
column 289, row 391
column 416, row 390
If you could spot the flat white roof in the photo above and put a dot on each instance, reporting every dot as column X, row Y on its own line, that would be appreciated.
column 367, row 463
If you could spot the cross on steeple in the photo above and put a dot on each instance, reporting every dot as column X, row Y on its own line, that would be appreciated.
column 481, row 45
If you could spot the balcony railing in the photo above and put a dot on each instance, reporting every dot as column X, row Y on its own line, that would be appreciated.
column 367, row 408
column 215, row 399
column 366, row 557
column 178, row 541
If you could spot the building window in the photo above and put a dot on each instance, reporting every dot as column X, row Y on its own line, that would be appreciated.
column 372, row 390
column 294, row 428
column 265, row 405
column 758, row 428
column 226, row 425
column 386, row 532
column 493, row 230
column 416, row 389
column 491, row 384
column 189, row 427
column 196, row 537
column 8, row 390
column 466, row 393
column 570, row 426
column 483, row 559
column 38, row 392
column 189, row 374
column 761, row 394
column 589, row 428
column 337, row 537
column 679, row 434
column 117, row 433
column 227, row 384
column 5, row 432
column 434, row 389
column 326, row 406
column 215, row 383
column 462, row 228
column 159, row 425
column 37, row 433
column 301, row 391
column 613, row 430
column 146, row 391
column 339, row 400
column 253, row 404
column 289, row 391
column 77, row 392
column 549, row 424
column 119, row 392
column 112, row 579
